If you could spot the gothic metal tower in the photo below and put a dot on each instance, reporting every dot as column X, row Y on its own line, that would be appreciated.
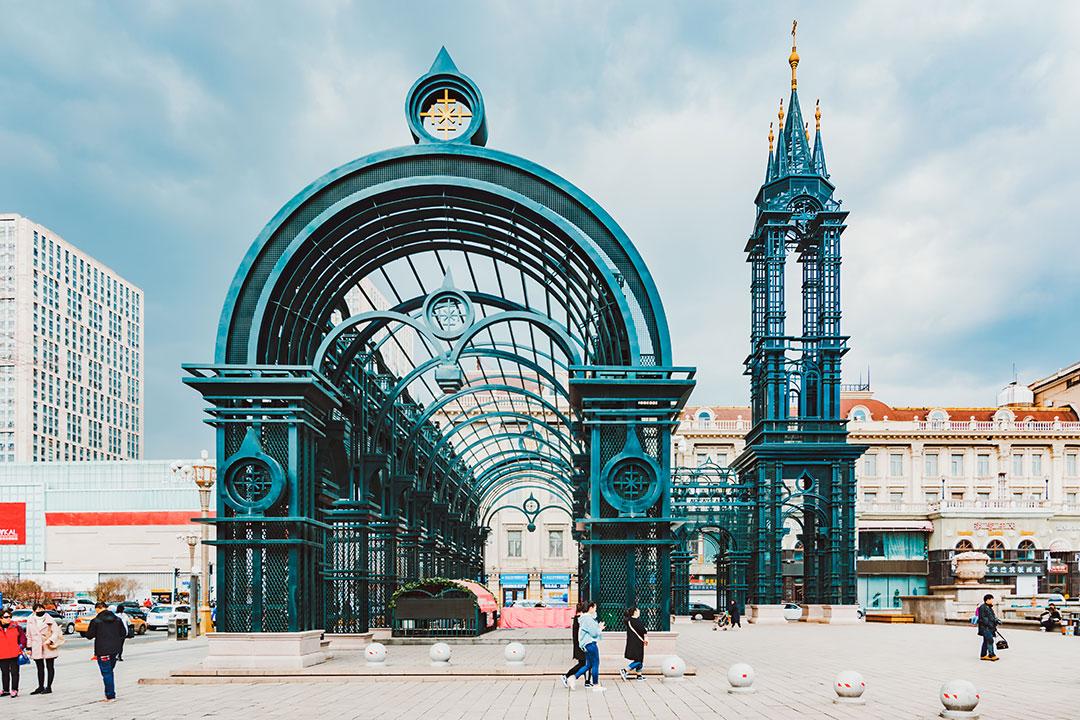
column 797, row 458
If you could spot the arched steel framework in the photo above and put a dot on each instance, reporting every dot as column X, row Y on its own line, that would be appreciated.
column 412, row 337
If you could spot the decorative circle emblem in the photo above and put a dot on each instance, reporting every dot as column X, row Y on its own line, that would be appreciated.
column 251, row 486
column 531, row 505
column 631, row 483
column 448, row 313
column 446, row 106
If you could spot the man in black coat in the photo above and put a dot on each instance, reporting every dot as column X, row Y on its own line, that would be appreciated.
column 987, row 623
column 108, row 633
column 733, row 611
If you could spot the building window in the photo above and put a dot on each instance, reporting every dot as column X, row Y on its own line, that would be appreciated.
column 964, row 546
column 1036, row 465
column 555, row 543
column 896, row 496
column 956, row 464
column 1027, row 549
column 996, row 550
column 931, row 496
column 869, row 497
column 931, row 465
column 957, row 495
column 896, row 465
column 513, row 543
column 1070, row 498
column 870, row 465
column 982, row 496
column 982, row 465
column 1072, row 464
column 1018, row 465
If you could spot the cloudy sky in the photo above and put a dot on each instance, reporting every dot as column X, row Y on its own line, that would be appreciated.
column 161, row 136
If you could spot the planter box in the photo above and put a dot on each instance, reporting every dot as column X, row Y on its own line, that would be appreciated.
column 288, row 650
column 435, row 608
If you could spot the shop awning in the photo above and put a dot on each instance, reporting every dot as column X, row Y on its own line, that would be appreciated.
column 900, row 525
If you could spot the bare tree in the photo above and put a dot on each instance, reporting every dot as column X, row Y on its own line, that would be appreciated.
column 114, row 589
column 15, row 590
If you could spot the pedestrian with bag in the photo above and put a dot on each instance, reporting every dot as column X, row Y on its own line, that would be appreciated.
column 108, row 633
column 12, row 645
column 43, row 638
column 579, row 654
column 987, row 623
column 590, row 631
column 733, row 611
column 635, row 644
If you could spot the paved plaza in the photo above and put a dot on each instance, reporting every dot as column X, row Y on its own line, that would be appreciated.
column 903, row 666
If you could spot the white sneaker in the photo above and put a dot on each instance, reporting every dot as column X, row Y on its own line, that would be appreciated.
column 599, row 688
column 564, row 683
column 572, row 683
column 622, row 672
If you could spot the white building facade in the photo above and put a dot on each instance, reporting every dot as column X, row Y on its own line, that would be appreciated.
column 71, row 359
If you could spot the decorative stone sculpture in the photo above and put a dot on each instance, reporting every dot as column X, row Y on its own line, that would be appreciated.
column 960, row 699
column 849, row 687
column 970, row 567
column 674, row 668
column 375, row 654
column 514, row 654
column 741, row 678
column 439, row 654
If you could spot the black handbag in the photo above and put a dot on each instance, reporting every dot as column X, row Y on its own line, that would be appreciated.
column 1002, row 644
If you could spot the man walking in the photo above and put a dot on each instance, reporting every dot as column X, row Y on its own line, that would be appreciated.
column 108, row 633
column 733, row 611
column 987, row 623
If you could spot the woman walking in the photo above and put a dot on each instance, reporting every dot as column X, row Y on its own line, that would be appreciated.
column 12, row 644
column 590, row 631
column 635, row 644
column 579, row 654
column 44, row 638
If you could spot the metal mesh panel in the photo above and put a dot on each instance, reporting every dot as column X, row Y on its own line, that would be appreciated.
column 275, row 589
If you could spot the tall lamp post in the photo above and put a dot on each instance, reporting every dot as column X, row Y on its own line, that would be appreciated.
column 18, row 569
column 191, row 539
column 204, row 473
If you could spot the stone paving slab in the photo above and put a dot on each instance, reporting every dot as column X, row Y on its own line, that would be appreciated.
column 904, row 666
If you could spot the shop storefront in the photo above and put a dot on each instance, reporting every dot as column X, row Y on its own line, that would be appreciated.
column 513, row 586
column 555, row 589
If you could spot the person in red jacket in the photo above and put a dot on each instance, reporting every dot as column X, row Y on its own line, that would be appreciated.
column 12, row 644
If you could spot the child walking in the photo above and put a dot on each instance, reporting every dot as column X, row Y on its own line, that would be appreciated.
column 635, row 644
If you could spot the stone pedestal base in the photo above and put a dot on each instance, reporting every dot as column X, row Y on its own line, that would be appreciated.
column 661, row 646
column 840, row 614
column 349, row 641
column 265, row 650
column 766, row 615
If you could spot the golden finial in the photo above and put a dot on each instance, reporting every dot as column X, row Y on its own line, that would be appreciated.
column 806, row 129
column 781, row 114
column 771, row 138
column 793, row 58
column 817, row 115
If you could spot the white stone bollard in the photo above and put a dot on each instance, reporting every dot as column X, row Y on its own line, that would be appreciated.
column 699, row 617
column 849, row 687
column 375, row 654
column 515, row 654
column 674, row 668
column 960, row 699
column 439, row 654
column 741, row 678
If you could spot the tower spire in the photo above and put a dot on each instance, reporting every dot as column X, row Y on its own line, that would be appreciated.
column 793, row 58
column 817, row 161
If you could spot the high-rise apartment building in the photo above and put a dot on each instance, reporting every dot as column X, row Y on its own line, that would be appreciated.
column 71, row 363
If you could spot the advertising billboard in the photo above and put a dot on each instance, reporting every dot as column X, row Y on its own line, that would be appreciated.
column 12, row 523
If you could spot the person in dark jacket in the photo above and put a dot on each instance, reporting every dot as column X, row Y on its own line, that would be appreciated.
column 987, row 623
column 733, row 611
column 108, row 634
column 579, row 654
column 635, row 644
column 1050, row 619
column 12, row 644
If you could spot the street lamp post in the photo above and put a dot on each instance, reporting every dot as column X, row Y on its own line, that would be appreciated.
column 18, row 569
column 192, row 540
column 204, row 473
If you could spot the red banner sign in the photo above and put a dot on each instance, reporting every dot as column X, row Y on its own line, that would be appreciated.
column 12, row 523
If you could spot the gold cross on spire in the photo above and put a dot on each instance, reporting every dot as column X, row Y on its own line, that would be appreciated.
column 447, row 114
column 793, row 58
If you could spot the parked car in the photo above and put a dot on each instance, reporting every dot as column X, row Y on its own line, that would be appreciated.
column 703, row 611
column 77, row 606
column 136, row 623
column 160, row 615
column 67, row 624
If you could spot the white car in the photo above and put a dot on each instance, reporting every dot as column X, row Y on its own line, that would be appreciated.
column 160, row 616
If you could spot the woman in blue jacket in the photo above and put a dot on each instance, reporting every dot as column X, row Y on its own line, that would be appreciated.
column 589, row 633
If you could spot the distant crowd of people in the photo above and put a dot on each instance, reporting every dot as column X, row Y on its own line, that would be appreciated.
column 40, row 643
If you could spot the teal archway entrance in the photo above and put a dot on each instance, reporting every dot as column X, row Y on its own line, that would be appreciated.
column 411, row 336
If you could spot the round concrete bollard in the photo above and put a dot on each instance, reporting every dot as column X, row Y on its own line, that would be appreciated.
column 515, row 654
column 674, row 668
column 960, row 699
column 375, row 654
column 439, row 654
column 741, row 678
column 849, row 687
